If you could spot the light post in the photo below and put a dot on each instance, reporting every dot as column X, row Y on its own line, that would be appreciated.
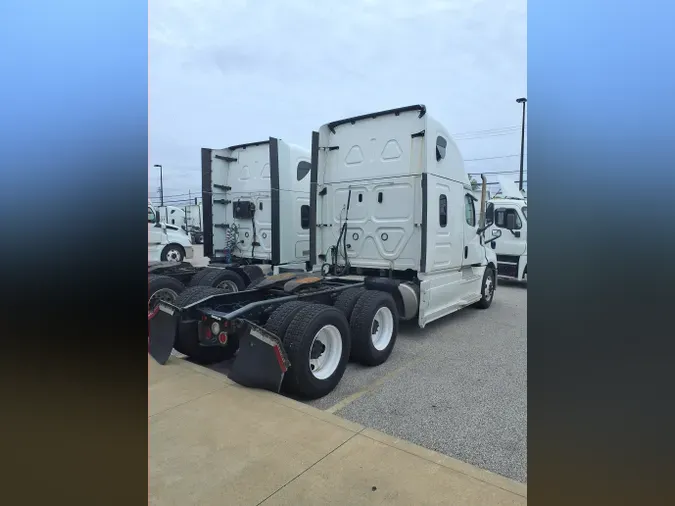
column 161, row 186
column 523, row 101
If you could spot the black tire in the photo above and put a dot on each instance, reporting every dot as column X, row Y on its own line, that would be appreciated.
column 193, row 294
column 282, row 317
column 214, row 277
column 169, row 250
column 347, row 300
column 486, row 298
column 363, row 323
column 298, row 339
column 165, row 285
column 198, row 276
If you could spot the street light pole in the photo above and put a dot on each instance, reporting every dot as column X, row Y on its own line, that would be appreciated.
column 523, row 101
column 161, row 186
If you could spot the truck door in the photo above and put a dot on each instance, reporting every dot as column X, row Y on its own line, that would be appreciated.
column 473, row 250
column 513, row 241
column 154, row 231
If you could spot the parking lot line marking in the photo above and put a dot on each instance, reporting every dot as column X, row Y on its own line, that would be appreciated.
column 378, row 382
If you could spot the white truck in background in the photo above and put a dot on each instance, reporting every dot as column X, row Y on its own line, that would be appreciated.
column 194, row 222
column 172, row 215
column 166, row 243
column 507, row 210
column 393, row 229
column 193, row 215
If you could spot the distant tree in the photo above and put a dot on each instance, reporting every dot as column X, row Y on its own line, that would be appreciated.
column 474, row 184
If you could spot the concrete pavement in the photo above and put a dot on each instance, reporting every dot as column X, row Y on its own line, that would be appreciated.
column 214, row 442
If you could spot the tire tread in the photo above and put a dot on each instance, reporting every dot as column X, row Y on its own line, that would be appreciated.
column 360, row 325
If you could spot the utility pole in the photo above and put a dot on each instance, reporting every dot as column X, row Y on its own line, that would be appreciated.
column 523, row 101
column 161, row 187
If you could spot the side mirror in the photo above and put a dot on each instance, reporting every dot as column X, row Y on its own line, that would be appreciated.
column 490, row 216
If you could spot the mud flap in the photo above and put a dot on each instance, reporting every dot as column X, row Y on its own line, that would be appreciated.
column 261, row 361
column 163, row 331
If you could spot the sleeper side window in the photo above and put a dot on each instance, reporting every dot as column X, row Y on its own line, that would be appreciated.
column 304, row 217
column 441, row 145
column 443, row 211
column 303, row 169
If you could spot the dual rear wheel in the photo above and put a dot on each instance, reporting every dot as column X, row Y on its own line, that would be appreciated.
column 320, row 339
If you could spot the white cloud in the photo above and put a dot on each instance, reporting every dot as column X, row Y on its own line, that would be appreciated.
column 236, row 71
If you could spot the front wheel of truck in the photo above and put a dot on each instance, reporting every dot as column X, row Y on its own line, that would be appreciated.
column 487, row 291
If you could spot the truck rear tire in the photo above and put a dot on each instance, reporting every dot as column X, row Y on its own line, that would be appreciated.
column 487, row 289
column 224, row 279
column 193, row 294
column 163, row 288
column 374, row 327
column 347, row 300
column 282, row 317
column 198, row 276
column 317, row 342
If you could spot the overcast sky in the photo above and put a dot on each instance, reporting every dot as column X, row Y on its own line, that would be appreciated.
column 224, row 72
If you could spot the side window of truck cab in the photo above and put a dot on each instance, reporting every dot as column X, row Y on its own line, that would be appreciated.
column 151, row 215
column 505, row 216
column 469, row 210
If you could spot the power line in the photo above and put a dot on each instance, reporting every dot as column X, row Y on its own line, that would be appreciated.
column 487, row 130
column 480, row 134
column 495, row 173
column 490, row 158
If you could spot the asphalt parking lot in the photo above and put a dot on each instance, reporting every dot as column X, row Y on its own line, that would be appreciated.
column 458, row 387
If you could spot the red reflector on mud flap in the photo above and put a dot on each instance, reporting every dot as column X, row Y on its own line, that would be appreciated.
column 280, row 359
column 153, row 313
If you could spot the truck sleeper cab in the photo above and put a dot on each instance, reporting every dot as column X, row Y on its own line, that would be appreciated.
column 256, row 203
column 395, row 180
column 255, row 216
column 393, row 235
